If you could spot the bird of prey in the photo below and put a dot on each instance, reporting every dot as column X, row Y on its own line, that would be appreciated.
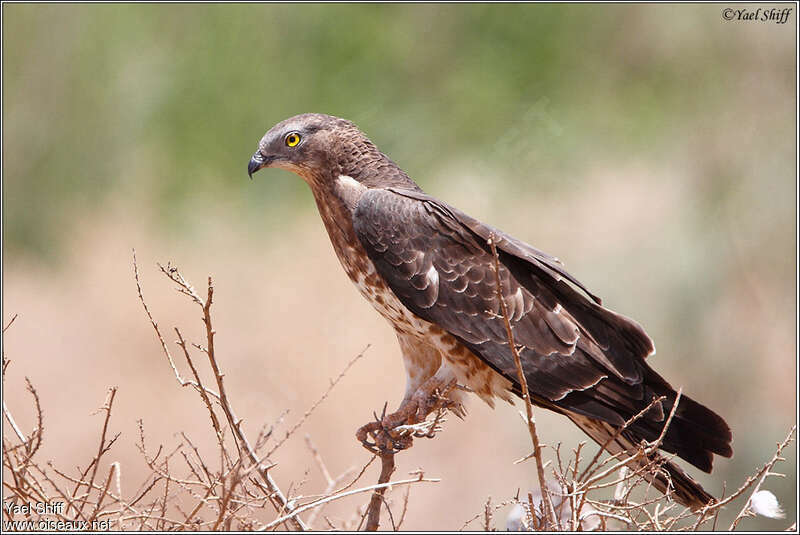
column 429, row 269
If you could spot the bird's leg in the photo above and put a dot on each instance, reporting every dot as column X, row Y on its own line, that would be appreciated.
column 396, row 430
column 434, row 395
column 429, row 397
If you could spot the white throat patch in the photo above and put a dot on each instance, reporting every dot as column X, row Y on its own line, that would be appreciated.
column 348, row 182
column 349, row 190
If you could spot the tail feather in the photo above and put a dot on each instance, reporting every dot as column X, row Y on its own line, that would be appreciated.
column 695, row 434
column 664, row 475
column 696, row 431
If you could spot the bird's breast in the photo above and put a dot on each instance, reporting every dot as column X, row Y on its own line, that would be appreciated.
column 470, row 370
column 335, row 208
column 362, row 272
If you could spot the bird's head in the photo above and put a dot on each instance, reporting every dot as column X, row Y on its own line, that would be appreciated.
column 319, row 148
column 312, row 145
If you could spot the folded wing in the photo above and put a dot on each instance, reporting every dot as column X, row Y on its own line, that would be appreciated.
column 577, row 356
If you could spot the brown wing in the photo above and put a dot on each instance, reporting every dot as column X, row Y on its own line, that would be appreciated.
column 576, row 355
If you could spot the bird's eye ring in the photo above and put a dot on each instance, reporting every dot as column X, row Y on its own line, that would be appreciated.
column 292, row 139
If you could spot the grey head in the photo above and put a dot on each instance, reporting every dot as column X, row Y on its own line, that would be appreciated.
column 320, row 147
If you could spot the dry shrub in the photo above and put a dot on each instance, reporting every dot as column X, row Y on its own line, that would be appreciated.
column 231, row 490
column 234, row 490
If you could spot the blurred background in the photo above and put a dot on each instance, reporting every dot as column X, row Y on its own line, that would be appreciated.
column 650, row 147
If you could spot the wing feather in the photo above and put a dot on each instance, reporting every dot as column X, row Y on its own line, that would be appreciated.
column 577, row 356
column 407, row 238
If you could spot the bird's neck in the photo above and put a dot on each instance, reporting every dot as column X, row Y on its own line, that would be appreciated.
column 336, row 199
column 361, row 160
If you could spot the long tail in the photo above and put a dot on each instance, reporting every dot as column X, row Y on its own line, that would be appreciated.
column 665, row 476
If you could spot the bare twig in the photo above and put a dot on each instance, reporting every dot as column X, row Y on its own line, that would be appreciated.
column 101, row 449
column 9, row 323
column 17, row 431
column 329, row 481
column 487, row 515
column 153, row 322
column 389, row 510
column 405, row 507
column 590, row 470
column 704, row 515
column 524, row 391
column 318, row 459
column 338, row 496
column 653, row 446
column 495, row 508
column 374, row 509
column 272, row 491
column 316, row 404
column 201, row 389
column 716, row 514
column 763, row 474
column 114, row 468
column 358, row 476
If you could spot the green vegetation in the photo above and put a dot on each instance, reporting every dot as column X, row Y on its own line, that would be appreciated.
column 170, row 100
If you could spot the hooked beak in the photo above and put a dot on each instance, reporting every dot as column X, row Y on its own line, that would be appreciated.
column 257, row 162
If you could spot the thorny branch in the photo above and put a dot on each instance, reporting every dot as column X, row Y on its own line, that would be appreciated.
column 174, row 368
column 286, row 508
column 655, row 514
column 763, row 474
column 275, row 495
column 340, row 495
column 324, row 396
column 236, row 495
column 102, row 448
column 548, row 505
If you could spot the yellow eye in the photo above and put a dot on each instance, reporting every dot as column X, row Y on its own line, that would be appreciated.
column 292, row 139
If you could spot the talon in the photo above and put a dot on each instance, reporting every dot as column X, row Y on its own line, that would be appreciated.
column 396, row 431
column 369, row 430
column 372, row 448
column 402, row 443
